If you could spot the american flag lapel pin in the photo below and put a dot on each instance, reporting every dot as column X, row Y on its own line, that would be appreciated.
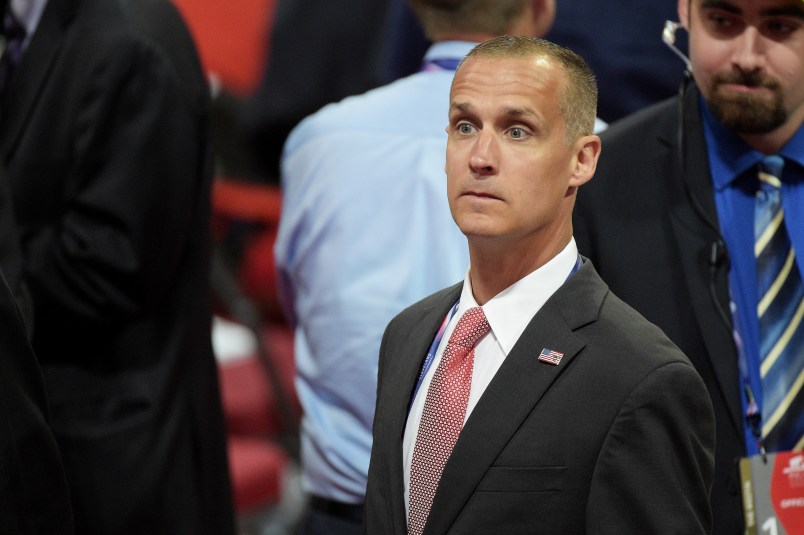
column 550, row 357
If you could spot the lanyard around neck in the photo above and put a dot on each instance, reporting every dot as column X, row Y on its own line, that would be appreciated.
column 440, row 64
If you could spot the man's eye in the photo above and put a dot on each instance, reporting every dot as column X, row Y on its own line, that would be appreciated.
column 517, row 133
column 721, row 22
column 780, row 29
column 464, row 128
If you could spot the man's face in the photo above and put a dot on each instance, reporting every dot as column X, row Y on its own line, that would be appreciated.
column 748, row 60
column 510, row 174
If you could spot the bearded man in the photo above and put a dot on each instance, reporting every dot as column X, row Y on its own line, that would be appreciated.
column 693, row 200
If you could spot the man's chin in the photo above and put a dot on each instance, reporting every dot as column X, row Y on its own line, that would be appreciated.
column 748, row 113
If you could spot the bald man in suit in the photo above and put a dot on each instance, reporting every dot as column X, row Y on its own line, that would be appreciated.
column 571, row 413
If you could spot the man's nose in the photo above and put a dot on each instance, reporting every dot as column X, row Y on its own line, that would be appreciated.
column 749, row 50
column 484, row 157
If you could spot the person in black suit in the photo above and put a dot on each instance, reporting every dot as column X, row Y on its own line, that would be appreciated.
column 653, row 219
column 109, row 174
column 34, row 498
column 580, row 416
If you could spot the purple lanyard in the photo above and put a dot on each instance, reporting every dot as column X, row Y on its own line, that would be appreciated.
column 441, row 64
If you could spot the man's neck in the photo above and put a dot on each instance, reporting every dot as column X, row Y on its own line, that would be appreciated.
column 469, row 37
column 494, row 267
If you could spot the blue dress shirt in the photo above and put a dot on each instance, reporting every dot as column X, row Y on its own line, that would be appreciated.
column 733, row 165
column 365, row 231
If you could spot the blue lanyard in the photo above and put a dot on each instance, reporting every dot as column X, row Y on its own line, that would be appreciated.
column 428, row 361
column 575, row 268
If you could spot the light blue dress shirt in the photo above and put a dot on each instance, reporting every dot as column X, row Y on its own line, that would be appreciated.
column 365, row 231
column 730, row 161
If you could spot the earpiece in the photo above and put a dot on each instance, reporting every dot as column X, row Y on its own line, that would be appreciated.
column 669, row 38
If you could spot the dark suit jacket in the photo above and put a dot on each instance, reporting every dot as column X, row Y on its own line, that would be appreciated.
column 10, row 255
column 651, row 243
column 617, row 438
column 106, row 157
column 33, row 490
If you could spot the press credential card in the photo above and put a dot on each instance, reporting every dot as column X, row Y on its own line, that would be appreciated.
column 773, row 493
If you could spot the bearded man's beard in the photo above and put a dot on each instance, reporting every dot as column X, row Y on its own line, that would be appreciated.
column 747, row 113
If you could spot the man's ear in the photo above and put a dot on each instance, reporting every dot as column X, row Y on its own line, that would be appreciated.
column 683, row 14
column 544, row 15
column 585, row 161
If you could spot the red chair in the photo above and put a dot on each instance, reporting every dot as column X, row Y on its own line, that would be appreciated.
column 259, row 399
column 232, row 39
column 257, row 468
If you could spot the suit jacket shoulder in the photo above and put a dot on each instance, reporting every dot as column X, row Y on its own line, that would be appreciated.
column 608, row 327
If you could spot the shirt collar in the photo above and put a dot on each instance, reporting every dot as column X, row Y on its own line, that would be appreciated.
column 28, row 12
column 793, row 150
column 510, row 311
column 448, row 50
column 730, row 156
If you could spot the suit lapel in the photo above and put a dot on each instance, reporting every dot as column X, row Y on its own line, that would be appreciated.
column 516, row 389
column 410, row 359
column 695, row 249
column 32, row 73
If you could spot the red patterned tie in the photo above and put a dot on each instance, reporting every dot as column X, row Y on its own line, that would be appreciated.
column 443, row 415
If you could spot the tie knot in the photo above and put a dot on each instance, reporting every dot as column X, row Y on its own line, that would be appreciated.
column 770, row 171
column 472, row 326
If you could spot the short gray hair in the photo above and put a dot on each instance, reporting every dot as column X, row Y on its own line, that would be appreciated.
column 578, row 100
